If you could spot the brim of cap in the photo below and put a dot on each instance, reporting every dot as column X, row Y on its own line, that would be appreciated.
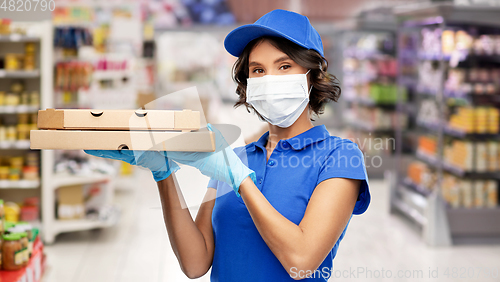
column 238, row 39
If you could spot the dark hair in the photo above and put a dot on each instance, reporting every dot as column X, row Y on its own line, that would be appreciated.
column 325, row 86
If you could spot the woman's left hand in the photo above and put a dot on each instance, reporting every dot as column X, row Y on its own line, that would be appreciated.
column 223, row 164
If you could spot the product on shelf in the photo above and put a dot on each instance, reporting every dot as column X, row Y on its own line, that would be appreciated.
column 466, row 193
column 12, row 253
column 71, row 76
column 473, row 156
column 2, row 218
column 386, row 93
column 420, row 174
column 12, row 211
column 481, row 120
column 378, row 118
column 72, row 37
column 477, row 81
column 5, row 26
column 428, row 112
column 447, row 42
column 427, row 145
column 25, row 61
column 24, row 167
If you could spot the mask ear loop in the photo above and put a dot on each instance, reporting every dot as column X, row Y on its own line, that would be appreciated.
column 310, row 88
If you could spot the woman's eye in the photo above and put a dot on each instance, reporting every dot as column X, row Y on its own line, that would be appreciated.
column 285, row 67
column 259, row 71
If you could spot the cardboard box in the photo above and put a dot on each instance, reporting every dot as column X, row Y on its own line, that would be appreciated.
column 197, row 141
column 119, row 119
column 70, row 202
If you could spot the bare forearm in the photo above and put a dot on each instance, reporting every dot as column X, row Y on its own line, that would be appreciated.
column 285, row 239
column 186, row 239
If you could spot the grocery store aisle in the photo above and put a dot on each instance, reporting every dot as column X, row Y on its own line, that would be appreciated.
column 137, row 249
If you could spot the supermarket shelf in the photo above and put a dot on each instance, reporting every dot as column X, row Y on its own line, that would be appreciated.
column 19, row 74
column 410, row 211
column 422, row 90
column 64, row 179
column 369, row 128
column 371, row 103
column 21, row 109
column 408, row 81
column 19, row 184
column 432, row 126
column 366, row 55
column 111, row 74
column 21, row 145
column 437, row 13
column 431, row 160
column 61, row 226
column 470, row 174
column 462, row 134
column 416, row 187
column 473, row 221
column 457, row 171
column 18, row 38
column 432, row 56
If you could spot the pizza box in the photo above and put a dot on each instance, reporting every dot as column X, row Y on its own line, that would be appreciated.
column 118, row 119
column 195, row 141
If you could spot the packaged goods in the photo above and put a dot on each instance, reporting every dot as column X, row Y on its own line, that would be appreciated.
column 12, row 252
column 491, row 194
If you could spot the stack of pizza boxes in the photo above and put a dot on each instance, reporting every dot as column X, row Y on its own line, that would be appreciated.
column 160, row 130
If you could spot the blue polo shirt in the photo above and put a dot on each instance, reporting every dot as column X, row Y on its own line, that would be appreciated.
column 296, row 166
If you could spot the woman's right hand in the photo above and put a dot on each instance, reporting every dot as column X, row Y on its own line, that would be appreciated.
column 223, row 164
column 158, row 163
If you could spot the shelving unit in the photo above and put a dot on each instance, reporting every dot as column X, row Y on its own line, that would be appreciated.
column 429, row 207
column 31, row 80
column 368, row 79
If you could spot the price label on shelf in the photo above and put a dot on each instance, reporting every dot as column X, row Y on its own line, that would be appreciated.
column 15, row 37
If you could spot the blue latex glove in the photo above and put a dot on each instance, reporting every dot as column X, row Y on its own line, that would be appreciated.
column 160, row 166
column 223, row 164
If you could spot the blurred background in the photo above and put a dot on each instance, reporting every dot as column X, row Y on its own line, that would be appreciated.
column 420, row 96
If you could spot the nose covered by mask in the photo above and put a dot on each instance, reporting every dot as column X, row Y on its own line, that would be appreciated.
column 279, row 99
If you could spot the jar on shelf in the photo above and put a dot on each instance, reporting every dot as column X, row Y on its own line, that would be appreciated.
column 4, row 172
column 30, row 173
column 16, row 162
column 12, row 253
column 12, row 62
column 2, row 215
column 17, row 87
column 26, row 227
column 12, row 211
column 11, row 133
column 23, row 131
column 11, row 99
column 24, row 98
column 23, row 238
column 14, row 173
column 34, row 98
column 2, row 98
column 1, row 243
column 3, row 133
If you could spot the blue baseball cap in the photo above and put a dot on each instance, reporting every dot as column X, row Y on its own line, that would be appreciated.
column 280, row 23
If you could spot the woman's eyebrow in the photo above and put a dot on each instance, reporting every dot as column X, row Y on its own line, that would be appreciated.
column 253, row 64
column 281, row 59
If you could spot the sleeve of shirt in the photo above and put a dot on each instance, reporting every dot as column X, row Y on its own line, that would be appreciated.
column 347, row 161
column 213, row 183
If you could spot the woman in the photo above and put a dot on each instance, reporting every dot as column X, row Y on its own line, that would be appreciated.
column 296, row 188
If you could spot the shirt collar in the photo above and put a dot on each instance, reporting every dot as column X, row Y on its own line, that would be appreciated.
column 308, row 137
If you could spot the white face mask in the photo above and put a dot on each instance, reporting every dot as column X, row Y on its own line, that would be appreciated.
column 279, row 99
